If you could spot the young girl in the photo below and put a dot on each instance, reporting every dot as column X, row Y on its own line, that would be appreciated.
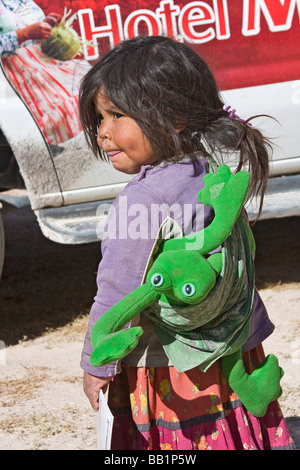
column 152, row 108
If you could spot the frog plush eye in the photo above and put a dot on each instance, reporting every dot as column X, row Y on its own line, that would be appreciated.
column 188, row 289
column 157, row 280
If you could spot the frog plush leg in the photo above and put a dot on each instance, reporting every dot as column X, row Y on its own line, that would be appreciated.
column 257, row 390
column 109, row 340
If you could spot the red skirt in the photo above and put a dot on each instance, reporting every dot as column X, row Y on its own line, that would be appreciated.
column 162, row 409
column 49, row 88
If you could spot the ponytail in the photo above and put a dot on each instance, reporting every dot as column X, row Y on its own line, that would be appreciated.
column 229, row 135
column 255, row 150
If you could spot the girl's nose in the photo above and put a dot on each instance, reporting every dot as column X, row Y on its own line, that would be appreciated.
column 104, row 134
column 104, row 131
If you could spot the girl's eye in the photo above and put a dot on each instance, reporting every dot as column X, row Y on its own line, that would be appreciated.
column 157, row 280
column 99, row 119
column 188, row 289
column 118, row 115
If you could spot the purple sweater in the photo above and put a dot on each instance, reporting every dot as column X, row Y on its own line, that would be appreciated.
column 159, row 200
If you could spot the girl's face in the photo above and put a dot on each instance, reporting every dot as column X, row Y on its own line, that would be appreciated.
column 121, row 138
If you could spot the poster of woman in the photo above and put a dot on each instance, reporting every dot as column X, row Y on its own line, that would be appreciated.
column 41, row 57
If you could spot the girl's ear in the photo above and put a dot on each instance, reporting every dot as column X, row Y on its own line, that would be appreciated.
column 179, row 122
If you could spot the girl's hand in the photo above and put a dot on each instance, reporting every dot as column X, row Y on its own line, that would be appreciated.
column 53, row 19
column 34, row 31
column 92, row 386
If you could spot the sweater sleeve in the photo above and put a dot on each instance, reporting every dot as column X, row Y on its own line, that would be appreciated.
column 8, row 44
column 130, row 237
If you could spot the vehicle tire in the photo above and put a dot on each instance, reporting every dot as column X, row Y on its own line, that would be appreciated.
column 2, row 244
column 10, row 176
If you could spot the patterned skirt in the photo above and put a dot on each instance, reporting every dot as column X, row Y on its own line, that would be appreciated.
column 49, row 88
column 162, row 409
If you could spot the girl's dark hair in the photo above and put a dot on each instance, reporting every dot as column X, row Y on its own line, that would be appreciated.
column 169, row 90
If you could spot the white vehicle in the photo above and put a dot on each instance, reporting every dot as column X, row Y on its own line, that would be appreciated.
column 253, row 49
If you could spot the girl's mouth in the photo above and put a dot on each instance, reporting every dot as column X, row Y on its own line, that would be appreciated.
column 113, row 153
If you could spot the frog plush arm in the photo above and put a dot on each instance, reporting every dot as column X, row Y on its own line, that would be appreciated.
column 226, row 194
column 108, row 338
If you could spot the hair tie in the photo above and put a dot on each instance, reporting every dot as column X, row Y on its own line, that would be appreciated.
column 232, row 115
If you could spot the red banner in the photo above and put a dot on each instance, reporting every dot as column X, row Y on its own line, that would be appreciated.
column 245, row 42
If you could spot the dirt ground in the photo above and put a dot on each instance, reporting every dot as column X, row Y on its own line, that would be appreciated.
column 45, row 294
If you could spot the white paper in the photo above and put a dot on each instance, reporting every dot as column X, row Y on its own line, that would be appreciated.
column 104, row 421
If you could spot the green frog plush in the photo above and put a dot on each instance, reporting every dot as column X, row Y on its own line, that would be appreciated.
column 200, row 301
